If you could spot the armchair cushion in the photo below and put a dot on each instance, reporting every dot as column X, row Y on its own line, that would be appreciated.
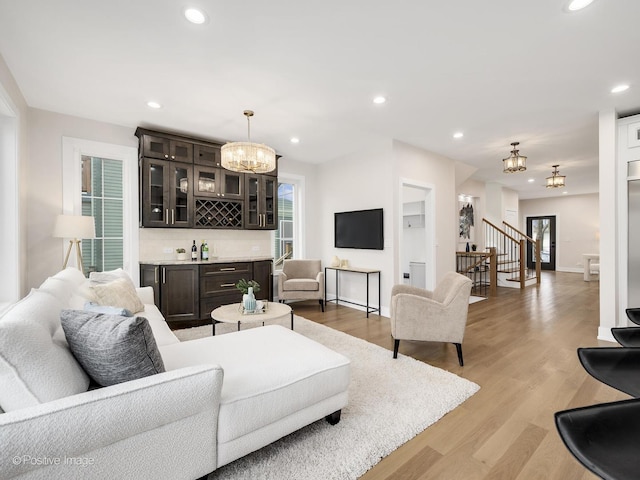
column 306, row 284
column 111, row 348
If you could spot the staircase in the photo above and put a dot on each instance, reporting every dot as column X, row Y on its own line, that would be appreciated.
column 512, row 250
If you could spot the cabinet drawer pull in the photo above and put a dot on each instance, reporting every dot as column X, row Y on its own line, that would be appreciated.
column 227, row 284
column 228, row 269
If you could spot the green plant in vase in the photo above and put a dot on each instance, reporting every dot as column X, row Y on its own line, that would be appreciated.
column 244, row 285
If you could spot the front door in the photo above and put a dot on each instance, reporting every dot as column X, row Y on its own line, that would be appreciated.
column 543, row 228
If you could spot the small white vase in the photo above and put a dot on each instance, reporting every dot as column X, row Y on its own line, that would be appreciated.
column 335, row 261
column 249, row 300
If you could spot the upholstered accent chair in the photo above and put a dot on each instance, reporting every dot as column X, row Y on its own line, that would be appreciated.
column 301, row 280
column 431, row 316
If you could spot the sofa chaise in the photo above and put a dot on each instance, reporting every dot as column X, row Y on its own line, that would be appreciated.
column 219, row 399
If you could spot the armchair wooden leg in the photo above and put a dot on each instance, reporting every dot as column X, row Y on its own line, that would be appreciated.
column 459, row 350
column 396, row 344
column 321, row 305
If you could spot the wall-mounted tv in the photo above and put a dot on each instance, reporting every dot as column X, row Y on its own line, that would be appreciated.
column 359, row 229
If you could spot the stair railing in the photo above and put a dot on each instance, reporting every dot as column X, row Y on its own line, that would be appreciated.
column 509, row 251
column 536, row 253
column 481, row 269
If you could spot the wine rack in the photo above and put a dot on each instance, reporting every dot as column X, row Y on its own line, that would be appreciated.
column 218, row 213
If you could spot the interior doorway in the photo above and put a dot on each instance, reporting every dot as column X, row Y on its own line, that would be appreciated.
column 543, row 228
column 416, row 238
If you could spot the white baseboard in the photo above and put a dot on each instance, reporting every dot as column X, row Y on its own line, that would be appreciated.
column 604, row 333
column 570, row 269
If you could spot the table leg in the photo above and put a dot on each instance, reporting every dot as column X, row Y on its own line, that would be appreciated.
column 291, row 319
column 337, row 295
column 379, row 295
column 367, row 295
column 238, row 326
column 213, row 326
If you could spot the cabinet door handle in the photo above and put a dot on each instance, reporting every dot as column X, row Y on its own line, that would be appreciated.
column 166, row 156
column 173, row 157
column 166, row 216
column 227, row 284
column 155, row 275
column 173, row 216
column 222, row 194
column 228, row 269
column 164, row 275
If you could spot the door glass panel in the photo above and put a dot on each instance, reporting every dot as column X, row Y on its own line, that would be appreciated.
column 252, row 198
column 182, row 188
column 206, row 182
column 156, row 193
column 232, row 184
column 541, row 230
column 104, row 201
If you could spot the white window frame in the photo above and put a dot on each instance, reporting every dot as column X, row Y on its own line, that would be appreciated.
column 11, row 280
column 299, row 249
column 73, row 149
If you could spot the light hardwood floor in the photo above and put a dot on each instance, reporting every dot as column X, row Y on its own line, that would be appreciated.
column 520, row 347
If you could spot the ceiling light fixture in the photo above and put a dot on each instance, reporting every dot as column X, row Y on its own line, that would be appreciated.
column 295, row 140
column 153, row 104
column 620, row 88
column 576, row 5
column 195, row 16
column 531, row 180
column 458, row 135
column 555, row 180
column 514, row 162
column 379, row 100
column 247, row 156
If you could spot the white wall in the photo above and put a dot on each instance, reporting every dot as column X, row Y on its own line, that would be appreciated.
column 358, row 181
column 577, row 226
column 476, row 190
column 44, row 181
column 423, row 167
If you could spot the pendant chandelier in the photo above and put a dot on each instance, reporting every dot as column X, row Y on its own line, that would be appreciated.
column 248, row 156
column 514, row 162
column 555, row 180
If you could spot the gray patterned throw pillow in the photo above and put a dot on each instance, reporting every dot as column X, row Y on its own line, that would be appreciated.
column 112, row 349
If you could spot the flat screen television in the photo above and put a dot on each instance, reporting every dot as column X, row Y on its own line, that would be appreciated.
column 359, row 229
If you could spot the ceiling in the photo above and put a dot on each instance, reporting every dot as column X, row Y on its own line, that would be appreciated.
column 499, row 71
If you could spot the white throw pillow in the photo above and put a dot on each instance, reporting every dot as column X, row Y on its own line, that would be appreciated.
column 119, row 293
column 34, row 367
column 109, row 276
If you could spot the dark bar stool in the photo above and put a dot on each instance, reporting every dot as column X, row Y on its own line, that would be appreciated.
column 627, row 336
column 634, row 315
column 604, row 438
column 617, row 367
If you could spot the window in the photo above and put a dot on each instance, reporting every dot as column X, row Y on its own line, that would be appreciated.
column 102, row 198
column 287, row 239
column 101, row 179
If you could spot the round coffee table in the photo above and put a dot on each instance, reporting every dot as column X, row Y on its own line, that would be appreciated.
column 233, row 314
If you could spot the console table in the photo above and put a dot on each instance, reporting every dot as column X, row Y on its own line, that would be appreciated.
column 364, row 271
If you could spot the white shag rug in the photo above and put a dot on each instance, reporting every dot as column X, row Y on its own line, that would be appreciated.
column 390, row 402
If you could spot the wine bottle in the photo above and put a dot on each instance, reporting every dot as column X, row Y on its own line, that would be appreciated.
column 205, row 251
column 194, row 252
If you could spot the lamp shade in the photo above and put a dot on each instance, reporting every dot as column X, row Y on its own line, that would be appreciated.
column 74, row 226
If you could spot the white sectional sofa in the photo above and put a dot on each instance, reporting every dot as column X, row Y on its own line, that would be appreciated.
column 220, row 398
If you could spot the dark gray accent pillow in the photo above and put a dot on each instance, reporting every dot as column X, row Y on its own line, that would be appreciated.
column 112, row 349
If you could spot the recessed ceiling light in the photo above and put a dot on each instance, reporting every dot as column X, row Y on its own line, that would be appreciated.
column 379, row 99
column 458, row 135
column 195, row 16
column 575, row 5
column 153, row 104
column 619, row 88
column 564, row 193
column 531, row 180
column 295, row 140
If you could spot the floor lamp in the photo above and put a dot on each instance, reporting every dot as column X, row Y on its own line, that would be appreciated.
column 76, row 227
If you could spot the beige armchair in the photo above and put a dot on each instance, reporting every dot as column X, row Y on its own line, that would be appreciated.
column 301, row 280
column 438, row 316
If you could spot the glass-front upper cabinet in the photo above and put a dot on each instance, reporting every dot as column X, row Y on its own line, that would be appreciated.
column 261, row 202
column 218, row 183
column 166, row 194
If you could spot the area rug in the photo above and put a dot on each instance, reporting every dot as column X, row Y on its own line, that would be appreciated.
column 390, row 401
